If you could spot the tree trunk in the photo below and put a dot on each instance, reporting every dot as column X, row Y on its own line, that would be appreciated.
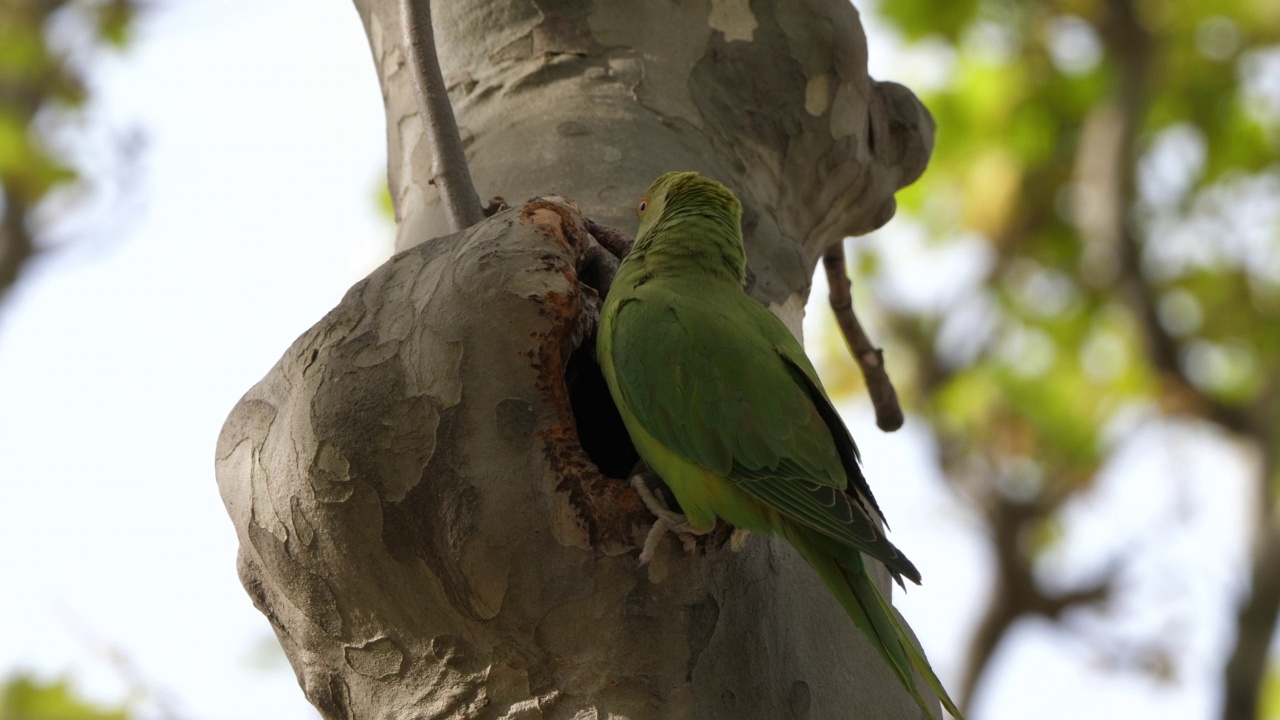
column 427, row 486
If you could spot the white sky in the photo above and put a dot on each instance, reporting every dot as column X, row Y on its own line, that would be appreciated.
column 119, row 362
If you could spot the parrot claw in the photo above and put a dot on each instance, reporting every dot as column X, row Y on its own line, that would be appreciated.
column 738, row 539
column 655, row 505
column 668, row 520
column 651, row 540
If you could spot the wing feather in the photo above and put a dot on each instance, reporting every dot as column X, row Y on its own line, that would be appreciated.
column 723, row 383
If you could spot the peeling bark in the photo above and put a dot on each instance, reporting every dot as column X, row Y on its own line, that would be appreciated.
column 592, row 100
column 423, row 528
column 428, row 486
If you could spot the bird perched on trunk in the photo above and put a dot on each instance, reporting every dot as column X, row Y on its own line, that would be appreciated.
column 722, row 403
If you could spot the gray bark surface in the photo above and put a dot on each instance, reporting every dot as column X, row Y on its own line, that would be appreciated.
column 417, row 516
column 593, row 100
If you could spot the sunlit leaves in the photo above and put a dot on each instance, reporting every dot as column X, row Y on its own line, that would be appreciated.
column 33, row 77
column 919, row 19
column 27, row 167
column 999, row 174
column 1270, row 705
column 42, row 88
column 1027, row 76
column 115, row 20
column 1045, row 392
column 26, row 698
column 1116, row 175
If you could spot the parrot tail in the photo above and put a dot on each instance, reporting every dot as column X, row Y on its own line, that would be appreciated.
column 842, row 570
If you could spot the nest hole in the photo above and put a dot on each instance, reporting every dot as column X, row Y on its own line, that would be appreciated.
column 600, row 428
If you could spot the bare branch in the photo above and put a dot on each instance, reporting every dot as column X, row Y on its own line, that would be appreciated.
column 1257, row 615
column 1130, row 43
column 1163, row 348
column 870, row 358
column 1017, row 592
column 449, row 171
column 16, row 244
column 1255, row 626
column 1114, row 153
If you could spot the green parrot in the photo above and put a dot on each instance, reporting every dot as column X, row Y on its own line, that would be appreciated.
column 722, row 403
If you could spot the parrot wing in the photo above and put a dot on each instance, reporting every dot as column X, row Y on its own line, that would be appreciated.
column 720, row 381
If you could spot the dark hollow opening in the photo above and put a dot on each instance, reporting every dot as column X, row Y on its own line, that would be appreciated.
column 600, row 428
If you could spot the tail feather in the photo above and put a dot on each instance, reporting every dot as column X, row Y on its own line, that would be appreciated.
column 848, row 580
column 869, row 596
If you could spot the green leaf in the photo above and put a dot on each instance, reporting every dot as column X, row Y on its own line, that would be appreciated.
column 23, row 697
column 919, row 18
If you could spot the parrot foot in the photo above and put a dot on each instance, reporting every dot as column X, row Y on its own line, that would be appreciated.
column 738, row 539
column 668, row 520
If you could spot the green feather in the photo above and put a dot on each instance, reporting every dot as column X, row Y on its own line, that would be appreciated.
column 722, row 402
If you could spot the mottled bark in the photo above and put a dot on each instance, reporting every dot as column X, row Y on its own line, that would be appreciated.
column 427, row 487
column 592, row 100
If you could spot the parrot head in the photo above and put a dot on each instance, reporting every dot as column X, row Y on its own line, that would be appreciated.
column 685, row 215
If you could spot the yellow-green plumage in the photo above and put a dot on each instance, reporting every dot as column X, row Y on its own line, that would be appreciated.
column 722, row 402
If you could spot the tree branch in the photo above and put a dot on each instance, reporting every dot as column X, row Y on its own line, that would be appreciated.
column 869, row 357
column 1130, row 44
column 1163, row 349
column 449, row 171
column 1017, row 592
column 1255, row 626
column 1256, row 617
column 16, row 244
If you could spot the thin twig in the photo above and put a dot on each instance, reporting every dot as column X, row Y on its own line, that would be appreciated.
column 449, row 171
column 870, row 358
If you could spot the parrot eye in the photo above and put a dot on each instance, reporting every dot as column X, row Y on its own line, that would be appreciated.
column 644, row 205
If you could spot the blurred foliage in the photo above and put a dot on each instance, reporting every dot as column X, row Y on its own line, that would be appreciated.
column 1271, row 696
column 25, row 698
column 386, row 205
column 1118, row 161
column 44, row 48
